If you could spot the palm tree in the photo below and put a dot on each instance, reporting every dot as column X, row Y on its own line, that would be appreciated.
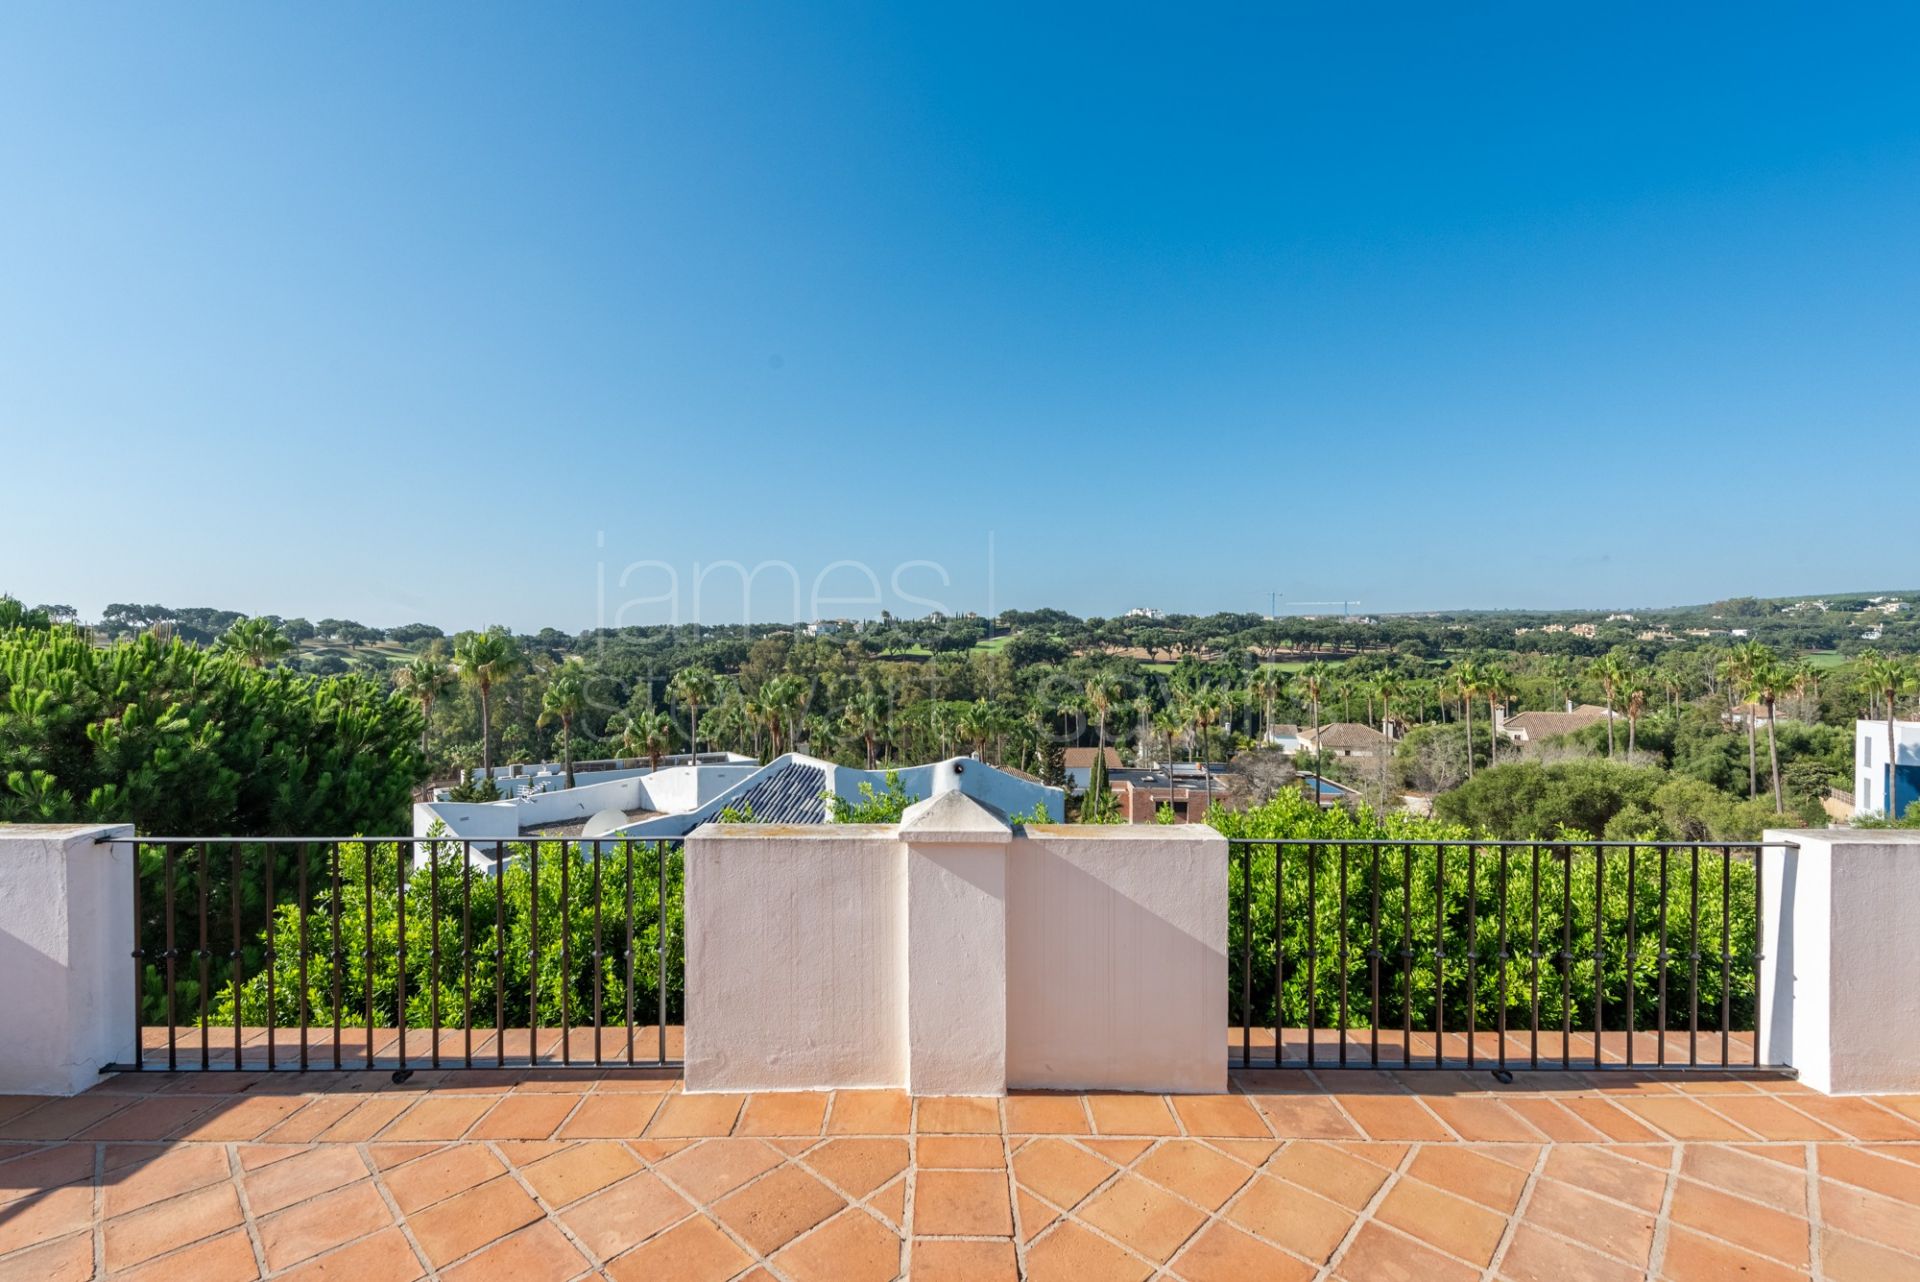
column 1804, row 677
column 1267, row 685
column 976, row 724
column 1103, row 692
column 692, row 687
column 866, row 716
column 425, row 679
column 1769, row 681
column 1886, row 675
column 1390, row 687
column 1611, row 672
column 1497, row 687
column 1169, row 723
column 255, row 642
column 1313, row 681
column 565, row 698
column 484, row 658
column 1745, row 660
column 1673, row 683
column 1633, row 691
column 1468, row 682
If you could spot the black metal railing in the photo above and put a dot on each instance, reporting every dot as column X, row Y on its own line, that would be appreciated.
column 406, row 952
column 1497, row 954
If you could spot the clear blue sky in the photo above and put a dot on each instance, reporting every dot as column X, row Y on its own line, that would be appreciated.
column 397, row 312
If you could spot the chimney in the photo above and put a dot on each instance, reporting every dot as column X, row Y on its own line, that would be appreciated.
column 1569, row 705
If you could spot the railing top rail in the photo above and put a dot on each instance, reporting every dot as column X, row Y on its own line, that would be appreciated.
column 444, row 840
column 1544, row 842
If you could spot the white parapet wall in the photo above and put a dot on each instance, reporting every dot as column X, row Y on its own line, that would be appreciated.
column 1840, row 976
column 954, row 954
column 66, row 949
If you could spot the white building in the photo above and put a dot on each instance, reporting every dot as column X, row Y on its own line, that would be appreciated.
column 1871, row 776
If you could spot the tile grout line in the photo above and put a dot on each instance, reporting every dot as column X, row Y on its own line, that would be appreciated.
column 1663, row 1216
column 1515, row 1216
column 99, row 1211
column 246, row 1208
column 1816, row 1235
column 1365, row 1216
column 393, row 1207
column 549, row 1213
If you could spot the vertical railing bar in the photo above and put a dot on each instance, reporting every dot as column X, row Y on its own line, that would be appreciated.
column 1246, row 955
column 233, row 956
column 433, row 974
column 1313, row 952
column 567, row 851
column 628, row 845
column 1566, row 956
column 1633, row 947
column 466, row 950
column 206, row 979
column 1279, row 956
column 1599, row 968
column 139, row 970
column 661, row 896
column 1473, row 954
column 306, row 1006
column 500, row 856
column 270, row 855
column 1506, row 873
column 1726, row 957
column 401, row 857
column 533, row 957
column 366, row 949
column 172, row 958
column 598, row 881
column 1660, row 1043
column 1533, row 1049
column 338, row 957
column 1759, row 942
column 1693, row 983
column 1344, row 1015
column 1406, row 955
column 1374, row 956
column 1440, row 955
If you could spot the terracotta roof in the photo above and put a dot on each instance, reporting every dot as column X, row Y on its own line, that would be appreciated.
column 1545, row 725
column 1347, row 734
column 1082, row 758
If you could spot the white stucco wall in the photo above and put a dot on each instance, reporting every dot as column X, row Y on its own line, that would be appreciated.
column 1841, row 979
column 956, row 854
column 66, row 949
column 1116, row 958
column 796, row 958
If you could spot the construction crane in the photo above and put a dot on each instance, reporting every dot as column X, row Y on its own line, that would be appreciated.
column 1273, row 606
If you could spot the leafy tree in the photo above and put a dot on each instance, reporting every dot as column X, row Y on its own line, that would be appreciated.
column 255, row 641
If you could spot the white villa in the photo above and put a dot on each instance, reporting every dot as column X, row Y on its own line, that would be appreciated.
column 1871, row 775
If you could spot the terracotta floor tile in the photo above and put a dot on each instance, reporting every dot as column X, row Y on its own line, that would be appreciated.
column 1608, row 1174
column 243, row 1119
column 574, row 1172
column 1558, row 1124
column 67, row 1259
column 330, row 1220
column 1032, row 1216
column 631, row 1211
column 1868, row 1215
column 1131, row 1115
column 1305, row 1117
column 1291, row 1217
column 957, row 1115
column 1533, row 1256
column 1692, row 1258
column 150, row 1119
column 1394, row 1117
column 1886, row 1176
column 1761, row 1229
column 1142, row 1216
column 30, row 1221
column 1484, row 1120
column 309, row 1121
column 1195, row 1172
column 465, row 1223
column 1222, row 1253
column 1611, row 1121
column 850, row 1247
column 1046, row 1115
column 523, row 1117
column 870, row 1113
column 227, row 1258
column 1119, row 1152
column 1059, row 1170
column 167, row 1226
column 786, row 1113
column 1378, row 1254
column 537, row 1253
column 858, row 1166
column 936, row 1260
column 367, row 1118
column 384, row 1257
column 1331, row 1172
column 1770, row 1118
column 302, row 1176
column 1748, row 1176
column 1848, row 1259
column 159, row 1175
column 63, row 1118
column 772, row 1211
column 38, row 1169
column 1438, row 1218
column 441, row 1174
column 961, row 1152
column 1861, row 1118
column 1474, row 1176
column 1225, row 1115
column 711, row 1169
column 961, row 1204
column 891, row 1203
column 1683, row 1119
column 680, row 1116
column 694, row 1250
column 1071, row 1254
column 1619, row 1231
column 617, row 1117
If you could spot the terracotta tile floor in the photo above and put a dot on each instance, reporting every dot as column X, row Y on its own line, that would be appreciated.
column 1362, row 1176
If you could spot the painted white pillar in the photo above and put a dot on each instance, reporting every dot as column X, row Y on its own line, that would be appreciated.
column 956, row 940
column 66, row 952
column 1841, row 973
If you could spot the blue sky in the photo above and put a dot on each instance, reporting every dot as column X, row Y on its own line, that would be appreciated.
column 457, row 313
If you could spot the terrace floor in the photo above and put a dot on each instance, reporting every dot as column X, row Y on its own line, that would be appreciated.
column 1361, row 1176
